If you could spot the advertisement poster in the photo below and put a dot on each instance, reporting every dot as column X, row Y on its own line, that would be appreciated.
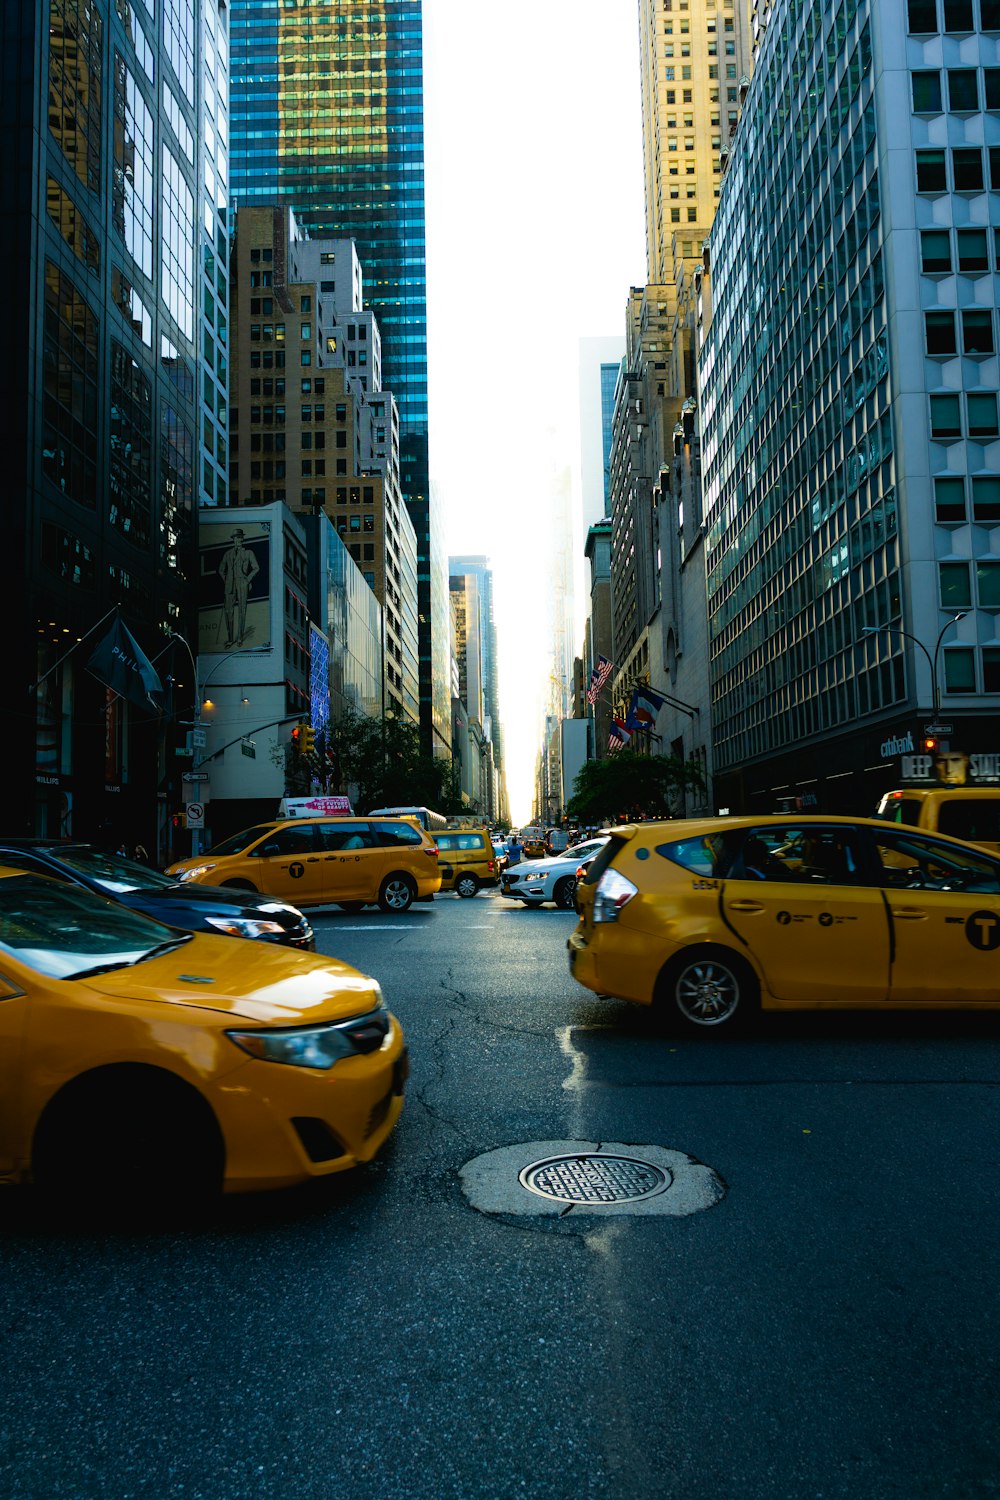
column 235, row 609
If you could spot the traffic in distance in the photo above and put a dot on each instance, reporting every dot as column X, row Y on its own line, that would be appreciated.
column 174, row 1033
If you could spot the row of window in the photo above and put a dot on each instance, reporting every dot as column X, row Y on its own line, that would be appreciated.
column 980, row 415
column 951, row 499
column 966, row 169
column 977, row 331
column 974, row 250
column 964, row 92
column 925, row 17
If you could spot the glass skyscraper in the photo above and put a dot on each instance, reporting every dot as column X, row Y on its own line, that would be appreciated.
column 327, row 115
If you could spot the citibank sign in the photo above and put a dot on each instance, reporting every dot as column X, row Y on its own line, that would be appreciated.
column 901, row 744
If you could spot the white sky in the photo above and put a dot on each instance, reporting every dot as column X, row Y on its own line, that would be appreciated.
column 534, row 235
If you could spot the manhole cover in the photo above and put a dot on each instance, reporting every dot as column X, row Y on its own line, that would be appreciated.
column 592, row 1178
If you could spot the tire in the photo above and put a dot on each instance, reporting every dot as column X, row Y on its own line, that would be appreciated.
column 128, row 1138
column 396, row 893
column 466, row 885
column 708, row 989
column 240, row 885
column 564, row 894
column 352, row 906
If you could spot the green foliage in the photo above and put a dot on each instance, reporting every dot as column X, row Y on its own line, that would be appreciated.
column 381, row 757
column 627, row 785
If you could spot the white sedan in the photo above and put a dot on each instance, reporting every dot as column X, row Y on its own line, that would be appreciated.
column 534, row 881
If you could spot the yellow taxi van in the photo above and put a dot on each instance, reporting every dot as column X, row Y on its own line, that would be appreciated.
column 971, row 813
column 710, row 920
column 349, row 862
column 468, row 860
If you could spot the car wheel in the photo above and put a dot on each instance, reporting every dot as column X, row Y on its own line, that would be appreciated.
column 466, row 885
column 352, row 906
column 708, row 988
column 240, row 885
column 128, row 1137
column 396, row 893
column 564, row 894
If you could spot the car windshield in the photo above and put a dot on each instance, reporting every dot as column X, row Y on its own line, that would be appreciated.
column 64, row 931
column 113, row 872
column 239, row 842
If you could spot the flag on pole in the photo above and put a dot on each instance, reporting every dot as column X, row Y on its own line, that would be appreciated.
column 646, row 704
column 599, row 677
column 119, row 662
column 618, row 737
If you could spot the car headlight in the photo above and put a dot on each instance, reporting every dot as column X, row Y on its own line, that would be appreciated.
column 245, row 927
column 613, row 892
column 194, row 872
column 319, row 1046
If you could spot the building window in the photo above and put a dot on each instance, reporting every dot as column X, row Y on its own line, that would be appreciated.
column 977, row 330
column 982, row 408
column 986, row 499
column 935, row 250
column 931, row 172
column 973, row 254
column 946, row 418
column 963, row 90
column 967, row 166
column 921, row 17
column 955, row 586
column 958, row 15
column 940, row 332
column 926, row 93
column 949, row 500
column 76, row 45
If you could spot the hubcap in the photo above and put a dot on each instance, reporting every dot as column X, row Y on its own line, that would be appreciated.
column 397, row 894
column 707, row 994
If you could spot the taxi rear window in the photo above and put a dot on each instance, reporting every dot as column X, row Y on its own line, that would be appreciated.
column 460, row 841
column 709, row 854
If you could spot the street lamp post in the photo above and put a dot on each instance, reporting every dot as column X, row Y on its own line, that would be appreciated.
column 932, row 660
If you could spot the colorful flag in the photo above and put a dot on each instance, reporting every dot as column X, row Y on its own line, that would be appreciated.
column 599, row 677
column 619, row 736
column 646, row 704
column 120, row 664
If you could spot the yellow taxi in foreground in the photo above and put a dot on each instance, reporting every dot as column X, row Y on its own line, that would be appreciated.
column 710, row 919
column 139, row 1060
column 349, row 862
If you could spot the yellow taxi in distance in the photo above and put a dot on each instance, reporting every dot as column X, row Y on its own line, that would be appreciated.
column 351, row 862
column 140, row 1061
column 467, row 858
column 711, row 919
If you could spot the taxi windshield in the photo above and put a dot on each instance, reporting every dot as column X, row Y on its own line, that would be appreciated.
column 62, row 931
column 239, row 843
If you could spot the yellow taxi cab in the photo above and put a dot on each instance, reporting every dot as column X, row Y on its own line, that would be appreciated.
column 970, row 813
column 711, row 919
column 467, row 858
column 352, row 862
column 139, row 1060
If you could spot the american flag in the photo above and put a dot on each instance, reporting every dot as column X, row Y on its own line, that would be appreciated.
column 599, row 677
column 619, row 736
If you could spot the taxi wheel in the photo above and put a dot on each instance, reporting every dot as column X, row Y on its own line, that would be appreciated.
column 708, row 988
column 128, row 1137
column 564, row 894
column 466, row 885
column 396, row 893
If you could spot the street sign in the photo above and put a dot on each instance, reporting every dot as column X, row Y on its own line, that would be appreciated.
column 197, row 738
column 939, row 728
column 195, row 776
column 249, row 749
column 185, row 750
column 195, row 814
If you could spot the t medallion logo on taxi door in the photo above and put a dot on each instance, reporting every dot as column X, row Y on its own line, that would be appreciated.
column 983, row 930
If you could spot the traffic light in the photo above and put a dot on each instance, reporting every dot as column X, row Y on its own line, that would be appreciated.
column 297, row 739
column 308, row 740
column 931, row 744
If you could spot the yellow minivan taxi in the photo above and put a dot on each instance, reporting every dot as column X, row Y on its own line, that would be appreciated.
column 468, row 860
column 140, row 1063
column 350, row 862
column 971, row 813
column 711, row 919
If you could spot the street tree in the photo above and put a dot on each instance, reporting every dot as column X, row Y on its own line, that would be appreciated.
column 627, row 785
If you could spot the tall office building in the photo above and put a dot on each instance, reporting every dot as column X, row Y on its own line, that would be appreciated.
column 471, row 588
column 327, row 116
column 113, row 251
column 851, row 453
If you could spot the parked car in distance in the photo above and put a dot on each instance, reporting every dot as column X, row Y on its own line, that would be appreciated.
column 348, row 862
column 198, row 908
column 539, row 880
column 467, row 860
column 711, row 919
column 144, row 1065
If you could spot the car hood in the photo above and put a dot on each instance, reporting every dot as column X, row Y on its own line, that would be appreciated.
column 243, row 979
column 217, row 898
column 540, row 867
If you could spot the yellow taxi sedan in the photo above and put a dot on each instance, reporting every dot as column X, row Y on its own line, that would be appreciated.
column 711, row 919
column 140, row 1061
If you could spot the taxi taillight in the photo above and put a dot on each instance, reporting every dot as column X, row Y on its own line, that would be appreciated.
column 431, row 849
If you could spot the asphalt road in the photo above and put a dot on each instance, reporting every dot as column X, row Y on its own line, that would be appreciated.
column 830, row 1328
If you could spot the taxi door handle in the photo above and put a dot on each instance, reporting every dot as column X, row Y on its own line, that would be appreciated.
column 909, row 914
column 745, row 906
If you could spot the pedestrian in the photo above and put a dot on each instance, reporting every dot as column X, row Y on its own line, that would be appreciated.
column 513, row 850
column 140, row 855
column 122, row 849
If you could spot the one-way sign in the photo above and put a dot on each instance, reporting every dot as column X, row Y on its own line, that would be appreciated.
column 195, row 776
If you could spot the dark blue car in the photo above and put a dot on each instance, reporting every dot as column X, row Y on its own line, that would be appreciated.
column 197, row 908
